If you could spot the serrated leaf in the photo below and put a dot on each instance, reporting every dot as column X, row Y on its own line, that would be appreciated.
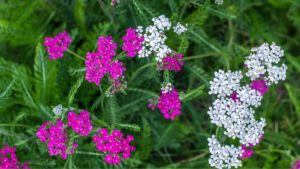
column 20, row 116
column 98, row 101
column 71, row 141
column 132, row 127
column 6, row 92
column 74, row 90
column 101, row 123
column 192, row 94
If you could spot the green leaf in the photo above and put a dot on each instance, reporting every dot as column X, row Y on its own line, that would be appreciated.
column 74, row 90
column 143, row 91
column 193, row 93
column 162, row 138
column 132, row 127
column 5, row 92
column 71, row 141
column 146, row 143
column 219, row 13
column 97, row 102
column 101, row 123
column 40, row 67
column 20, row 116
column 294, row 98
column 80, row 16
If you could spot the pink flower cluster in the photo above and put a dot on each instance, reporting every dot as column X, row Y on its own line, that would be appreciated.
column 168, row 101
column 54, row 49
column 248, row 153
column 170, row 63
column 132, row 42
column 57, row 137
column 114, row 143
column 259, row 85
column 113, row 2
column 297, row 164
column 97, row 67
column 6, row 163
column 81, row 124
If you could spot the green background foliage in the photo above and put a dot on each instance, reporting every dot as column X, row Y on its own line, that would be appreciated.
column 218, row 37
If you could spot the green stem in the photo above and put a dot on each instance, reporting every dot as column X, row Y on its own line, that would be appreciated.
column 75, row 54
column 17, row 135
column 120, row 54
column 201, row 56
column 106, row 11
column 217, row 134
column 19, row 125
column 135, row 73
column 182, row 42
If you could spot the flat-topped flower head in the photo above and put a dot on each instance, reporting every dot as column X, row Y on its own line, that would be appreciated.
column 132, row 43
column 81, row 124
column 172, row 63
column 168, row 103
column 11, row 160
column 260, row 62
column 180, row 28
column 57, row 45
column 114, row 144
column 56, row 137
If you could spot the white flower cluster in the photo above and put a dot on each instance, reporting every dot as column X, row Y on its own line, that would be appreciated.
column 219, row 2
column 261, row 62
column 180, row 28
column 154, row 38
column 222, row 153
column 166, row 87
column 225, row 83
column 58, row 110
column 237, row 116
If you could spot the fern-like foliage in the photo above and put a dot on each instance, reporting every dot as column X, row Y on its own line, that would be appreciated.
column 139, row 11
column 74, row 89
column 146, row 143
column 5, row 92
column 193, row 93
column 131, row 127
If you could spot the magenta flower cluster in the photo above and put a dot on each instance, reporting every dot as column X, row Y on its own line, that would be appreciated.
column 57, row 45
column 81, row 124
column 296, row 164
column 5, row 163
column 248, row 153
column 114, row 143
column 132, row 43
column 260, row 85
column 97, row 67
column 57, row 137
column 168, row 101
column 170, row 63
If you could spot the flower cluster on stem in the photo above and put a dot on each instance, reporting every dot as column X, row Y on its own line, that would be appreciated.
column 113, row 143
column 235, row 114
column 132, row 43
column 296, row 164
column 154, row 38
column 96, row 67
column 168, row 103
column 170, row 63
column 81, row 124
column 58, row 141
column 5, row 162
column 57, row 45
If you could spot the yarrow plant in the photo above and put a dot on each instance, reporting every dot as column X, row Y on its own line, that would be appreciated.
column 7, row 163
column 57, row 138
column 132, row 43
column 168, row 102
column 296, row 164
column 57, row 45
column 81, row 124
column 154, row 38
column 235, row 113
column 113, row 143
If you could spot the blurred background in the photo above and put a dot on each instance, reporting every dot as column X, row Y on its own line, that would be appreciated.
column 219, row 36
